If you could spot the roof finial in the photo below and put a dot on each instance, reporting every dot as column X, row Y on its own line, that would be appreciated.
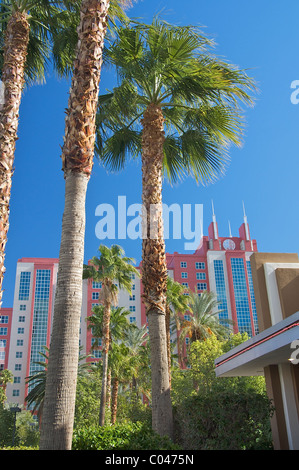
column 230, row 231
column 244, row 213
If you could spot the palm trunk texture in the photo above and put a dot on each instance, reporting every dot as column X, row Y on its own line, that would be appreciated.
column 167, row 326
column 114, row 400
column 77, row 158
column 154, row 268
column 105, row 352
column 15, row 53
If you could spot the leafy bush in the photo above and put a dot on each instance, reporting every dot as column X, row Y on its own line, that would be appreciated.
column 125, row 436
column 19, row 448
column 212, row 413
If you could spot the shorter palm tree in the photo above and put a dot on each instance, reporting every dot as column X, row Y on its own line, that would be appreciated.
column 111, row 267
column 176, row 302
column 118, row 324
column 204, row 318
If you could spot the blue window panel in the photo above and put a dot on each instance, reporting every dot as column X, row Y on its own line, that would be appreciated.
column 40, row 317
column 241, row 296
column 221, row 291
column 252, row 298
column 24, row 288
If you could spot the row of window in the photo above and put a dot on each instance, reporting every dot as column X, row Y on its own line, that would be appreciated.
column 198, row 265
column 199, row 276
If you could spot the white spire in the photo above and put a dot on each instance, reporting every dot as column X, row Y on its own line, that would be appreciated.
column 246, row 223
column 214, row 222
column 229, row 229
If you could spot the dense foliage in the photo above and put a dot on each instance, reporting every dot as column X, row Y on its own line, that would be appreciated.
column 126, row 436
column 231, row 413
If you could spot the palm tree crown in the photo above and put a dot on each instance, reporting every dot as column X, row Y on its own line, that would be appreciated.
column 204, row 318
column 200, row 98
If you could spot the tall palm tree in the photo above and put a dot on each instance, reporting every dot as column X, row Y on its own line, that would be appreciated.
column 176, row 302
column 179, row 109
column 77, row 162
column 26, row 32
column 204, row 318
column 109, row 268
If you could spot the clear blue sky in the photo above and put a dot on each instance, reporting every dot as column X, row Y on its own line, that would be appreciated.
column 259, row 35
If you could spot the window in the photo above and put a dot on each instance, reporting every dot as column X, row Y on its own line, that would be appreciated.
column 16, row 393
column 133, row 286
column 20, row 331
column 185, row 284
column 200, row 276
column 221, row 291
column 20, row 342
column 97, row 354
column 22, row 307
column 21, row 319
column 200, row 265
column 3, row 331
column 183, row 264
column 132, row 297
column 201, row 286
column 24, row 285
column 4, row 319
column 132, row 319
column 132, row 308
column 2, row 355
column 184, row 275
column 2, row 343
column 187, row 317
column 132, row 276
column 187, row 340
column 241, row 295
column 95, row 295
column 40, row 317
column 96, row 285
column 19, row 354
column 17, row 380
column 18, row 366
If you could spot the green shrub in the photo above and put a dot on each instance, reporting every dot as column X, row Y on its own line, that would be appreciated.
column 125, row 436
column 19, row 448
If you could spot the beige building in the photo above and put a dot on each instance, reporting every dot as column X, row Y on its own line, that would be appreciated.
column 274, row 352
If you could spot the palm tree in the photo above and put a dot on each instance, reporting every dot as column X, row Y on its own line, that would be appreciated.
column 176, row 302
column 77, row 162
column 123, row 367
column 204, row 319
column 180, row 109
column 118, row 324
column 110, row 267
column 26, row 32
column 135, row 339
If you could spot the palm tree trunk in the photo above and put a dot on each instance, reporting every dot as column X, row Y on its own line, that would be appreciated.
column 77, row 157
column 167, row 325
column 105, row 352
column 154, row 268
column 114, row 400
column 15, row 53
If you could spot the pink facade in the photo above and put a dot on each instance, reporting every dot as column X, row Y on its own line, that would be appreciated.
column 220, row 264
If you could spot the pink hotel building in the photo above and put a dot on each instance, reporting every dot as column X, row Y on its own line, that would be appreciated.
column 220, row 264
